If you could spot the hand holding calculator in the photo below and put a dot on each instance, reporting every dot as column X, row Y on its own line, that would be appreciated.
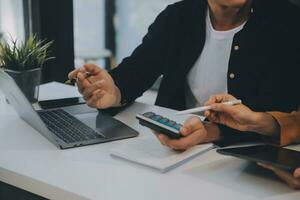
column 160, row 124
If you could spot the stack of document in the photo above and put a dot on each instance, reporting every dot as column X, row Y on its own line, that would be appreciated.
column 150, row 153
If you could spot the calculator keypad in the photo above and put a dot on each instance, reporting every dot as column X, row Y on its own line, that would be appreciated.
column 163, row 120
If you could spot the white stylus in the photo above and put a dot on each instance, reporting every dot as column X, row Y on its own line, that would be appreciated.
column 205, row 108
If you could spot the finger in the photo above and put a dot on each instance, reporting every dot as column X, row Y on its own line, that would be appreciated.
column 228, row 109
column 163, row 139
column 285, row 176
column 211, row 100
column 214, row 117
column 157, row 134
column 270, row 167
column 82, row 82
column 288, row 178
column 191, row 125
column 219, row 99
column 93, row 79
column 214, row 99
column 92, row 69
column 207, row 113
column 297, row 173
column 82, row 70
column 95, row 98
column 88, row 92
column 92, row 100
column 184, row 143
column 105, row 85
column 73, row 74
column 79, row 82
column 101, row 104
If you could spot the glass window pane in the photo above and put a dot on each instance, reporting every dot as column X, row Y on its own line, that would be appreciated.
column 133, row 18
column 89, row 26
column 12, row 19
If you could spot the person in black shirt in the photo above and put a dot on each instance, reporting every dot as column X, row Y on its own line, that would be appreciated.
column 248, row 48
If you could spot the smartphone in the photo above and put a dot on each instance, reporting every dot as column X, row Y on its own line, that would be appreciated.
column 58, row 103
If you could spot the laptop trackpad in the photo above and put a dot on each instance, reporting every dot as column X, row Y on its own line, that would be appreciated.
column 107, row 125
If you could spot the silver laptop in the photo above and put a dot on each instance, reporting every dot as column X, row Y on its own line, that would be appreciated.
column 60, row 127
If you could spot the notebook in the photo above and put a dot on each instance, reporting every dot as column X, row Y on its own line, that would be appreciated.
column 151, row 153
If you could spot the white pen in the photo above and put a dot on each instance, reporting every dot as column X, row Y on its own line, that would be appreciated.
column 205, row 108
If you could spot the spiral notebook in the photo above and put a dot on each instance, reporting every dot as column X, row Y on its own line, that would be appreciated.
column 150, row 153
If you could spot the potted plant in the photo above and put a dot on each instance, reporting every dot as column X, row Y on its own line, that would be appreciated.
column 24, row 61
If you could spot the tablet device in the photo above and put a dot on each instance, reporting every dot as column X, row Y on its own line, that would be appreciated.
column 278, row 157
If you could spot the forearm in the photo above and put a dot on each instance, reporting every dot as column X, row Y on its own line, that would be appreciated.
column 289, row 127
column 265, row 124
column 118, row 102
column 213, row 131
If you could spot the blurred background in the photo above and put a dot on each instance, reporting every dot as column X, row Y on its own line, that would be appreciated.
column 94, row 31
column 84, row 31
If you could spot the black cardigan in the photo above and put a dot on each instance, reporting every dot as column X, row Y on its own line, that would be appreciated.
column 266, row 63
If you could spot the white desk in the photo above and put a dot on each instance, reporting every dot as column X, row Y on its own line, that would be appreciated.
column 30, row 162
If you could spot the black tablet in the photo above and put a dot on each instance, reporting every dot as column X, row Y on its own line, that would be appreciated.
column 278, row 157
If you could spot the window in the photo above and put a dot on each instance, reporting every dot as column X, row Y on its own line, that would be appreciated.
column 133, row 18
column 89, row 32
column 12, row 19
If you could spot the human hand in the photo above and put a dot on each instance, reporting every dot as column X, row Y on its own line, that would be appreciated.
column 96, row 86
column 293, row 180
column 194, row 132
column 240, row 117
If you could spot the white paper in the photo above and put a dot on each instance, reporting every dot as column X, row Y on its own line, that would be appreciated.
column 149, row 152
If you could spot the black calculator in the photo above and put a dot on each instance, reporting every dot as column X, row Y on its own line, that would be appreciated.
column 160, row 124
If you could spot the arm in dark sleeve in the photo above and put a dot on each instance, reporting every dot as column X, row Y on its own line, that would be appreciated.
column 279, row 88
column 138, row 72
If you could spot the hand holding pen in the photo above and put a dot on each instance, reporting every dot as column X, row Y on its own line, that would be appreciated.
column 207, row 108
column 96, row 86
column 239, row 116
column 73, row 81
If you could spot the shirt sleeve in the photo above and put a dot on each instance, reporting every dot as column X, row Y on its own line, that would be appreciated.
column 138, row 72
column 289, row 127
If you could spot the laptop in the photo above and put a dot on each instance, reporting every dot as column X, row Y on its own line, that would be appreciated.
column 60, row 127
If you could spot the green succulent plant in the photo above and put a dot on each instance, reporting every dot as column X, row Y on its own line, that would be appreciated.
column 27, row 55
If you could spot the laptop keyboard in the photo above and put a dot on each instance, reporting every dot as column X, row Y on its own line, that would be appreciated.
column 67, row 127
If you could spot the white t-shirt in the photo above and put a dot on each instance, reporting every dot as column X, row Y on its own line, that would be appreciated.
column 209, row 74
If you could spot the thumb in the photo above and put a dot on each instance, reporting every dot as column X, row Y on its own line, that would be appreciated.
column 228, row 109
column 191, row 125
column 297, row 173
column 73, row 74
column 93, row 69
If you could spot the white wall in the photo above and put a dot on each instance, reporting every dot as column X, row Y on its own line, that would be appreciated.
column 12, row 19
column 132, row 20
column 88, row 29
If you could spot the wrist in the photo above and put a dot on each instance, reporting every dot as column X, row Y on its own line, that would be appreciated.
column 118, row 97
column 265, row 124
column 213, row 132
